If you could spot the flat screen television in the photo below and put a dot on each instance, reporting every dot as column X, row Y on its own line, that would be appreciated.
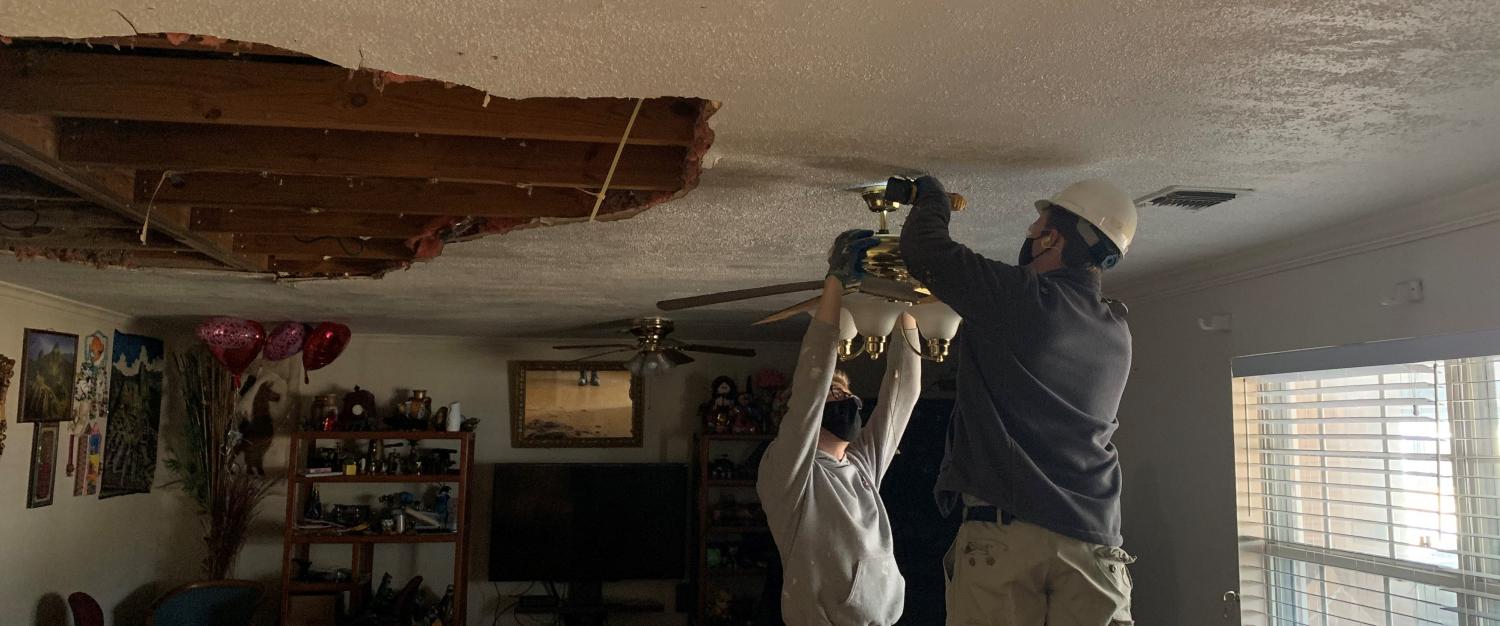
column 589, row 522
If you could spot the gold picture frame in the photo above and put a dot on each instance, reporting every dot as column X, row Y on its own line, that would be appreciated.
column 575, row 404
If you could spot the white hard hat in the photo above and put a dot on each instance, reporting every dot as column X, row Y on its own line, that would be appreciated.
column 1101, row 203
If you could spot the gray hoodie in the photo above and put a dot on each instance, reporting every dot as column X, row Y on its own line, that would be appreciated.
column 826, row 514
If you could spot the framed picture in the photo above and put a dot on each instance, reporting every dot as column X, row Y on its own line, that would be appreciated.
column 49, row 362
column 574, row 404
column 39, row 489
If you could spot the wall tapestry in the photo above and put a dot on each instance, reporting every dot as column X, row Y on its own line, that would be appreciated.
column 43, row 465
column 135, row 388
column 7, row 365
column 90, row 406
column 49, row 362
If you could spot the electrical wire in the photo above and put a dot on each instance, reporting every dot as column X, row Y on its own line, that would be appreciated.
column 619, row 150
column 340, row 240
column 36, row 218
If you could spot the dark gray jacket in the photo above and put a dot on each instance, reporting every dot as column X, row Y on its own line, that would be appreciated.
column 1042, row 363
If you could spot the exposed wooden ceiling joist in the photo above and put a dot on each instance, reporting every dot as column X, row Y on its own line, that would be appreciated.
column 189, row 147
column 30, row 142
column 86, row 239
column 334, row 267
column 298, row 247
column 18, row 184
column 22, row 215
column 272, row 222
column 365, row 195
column 228, row 91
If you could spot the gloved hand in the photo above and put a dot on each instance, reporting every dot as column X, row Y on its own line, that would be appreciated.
column 846, row 259
column 930, row 194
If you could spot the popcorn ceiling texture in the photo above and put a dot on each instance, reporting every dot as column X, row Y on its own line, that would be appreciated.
column 1332, row 110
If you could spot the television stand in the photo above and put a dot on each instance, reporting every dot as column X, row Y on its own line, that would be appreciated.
column 585, row 605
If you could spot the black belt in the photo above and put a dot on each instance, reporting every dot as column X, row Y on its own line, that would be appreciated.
column 988, row 514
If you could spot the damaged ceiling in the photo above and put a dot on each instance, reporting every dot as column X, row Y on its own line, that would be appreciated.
column 1331, row 111
column 257, row 159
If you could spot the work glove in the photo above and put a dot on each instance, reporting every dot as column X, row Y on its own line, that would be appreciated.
column 846, row 259
column 931, row 195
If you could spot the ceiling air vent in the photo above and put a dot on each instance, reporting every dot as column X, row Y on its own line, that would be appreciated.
column 1190, row 198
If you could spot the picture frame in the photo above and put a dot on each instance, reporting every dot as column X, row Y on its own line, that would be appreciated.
column 575, row 404
column 49, row 365
column 41, row 486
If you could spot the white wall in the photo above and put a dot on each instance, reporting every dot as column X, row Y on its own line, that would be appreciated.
column 474, row 372
column 1176, row 433
column 124, row 550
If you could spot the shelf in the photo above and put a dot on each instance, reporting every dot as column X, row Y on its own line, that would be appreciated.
column 382, row 434
column 731, row 483
column 414, row 538
column 734, row 437
column 301, row 587
column 380, row 478
column 724, row 530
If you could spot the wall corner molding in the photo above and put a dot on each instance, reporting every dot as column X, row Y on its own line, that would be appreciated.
column 12, row 291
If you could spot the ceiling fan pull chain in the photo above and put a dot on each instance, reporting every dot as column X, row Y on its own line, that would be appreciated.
column 599, row 198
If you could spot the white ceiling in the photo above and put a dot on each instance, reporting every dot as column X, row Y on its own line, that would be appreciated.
column 1331, row 110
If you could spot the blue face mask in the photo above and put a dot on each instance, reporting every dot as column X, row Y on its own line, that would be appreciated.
column 841, row 415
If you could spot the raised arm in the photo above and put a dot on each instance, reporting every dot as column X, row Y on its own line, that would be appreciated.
column 899, row 390
column 786, row 467
column 960, row 277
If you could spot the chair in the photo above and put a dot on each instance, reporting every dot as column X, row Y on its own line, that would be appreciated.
column 86, row 611
column 217, row 602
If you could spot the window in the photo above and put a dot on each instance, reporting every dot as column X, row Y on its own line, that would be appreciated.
column 1369, row 490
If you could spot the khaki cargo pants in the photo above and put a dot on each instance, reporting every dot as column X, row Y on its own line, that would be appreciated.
column 1020, row 574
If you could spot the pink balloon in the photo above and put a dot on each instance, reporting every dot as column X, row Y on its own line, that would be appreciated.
column 324, row 344
column 285, row 340
column 234, row 342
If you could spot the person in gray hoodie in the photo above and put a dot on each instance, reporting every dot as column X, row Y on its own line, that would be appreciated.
column 819, row 481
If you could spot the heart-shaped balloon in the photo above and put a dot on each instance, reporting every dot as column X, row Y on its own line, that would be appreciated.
column 324, row 344
column 285, row 340
column 234, row 342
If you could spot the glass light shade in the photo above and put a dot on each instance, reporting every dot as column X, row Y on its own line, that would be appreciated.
column 648, row 363
column 936, row 320
column 847, row 331
column 873, row 317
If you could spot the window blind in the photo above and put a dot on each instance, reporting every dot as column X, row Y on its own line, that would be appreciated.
column 1370, row 494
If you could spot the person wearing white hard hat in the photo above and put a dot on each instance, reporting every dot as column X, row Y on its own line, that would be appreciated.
column 1042, row 361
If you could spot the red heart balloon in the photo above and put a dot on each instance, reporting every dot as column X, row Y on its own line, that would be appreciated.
column 234, row 342
column 324, row 344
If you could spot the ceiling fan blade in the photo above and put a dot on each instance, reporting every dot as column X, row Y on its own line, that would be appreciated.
column 677, row 357
column 595, row 356
column 717, row 350
column 624, row 346
column 800, row 307
column 736, row 295
column 889, row 289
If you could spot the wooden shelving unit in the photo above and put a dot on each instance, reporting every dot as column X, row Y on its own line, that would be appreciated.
column 297, row 544
column 704, row 577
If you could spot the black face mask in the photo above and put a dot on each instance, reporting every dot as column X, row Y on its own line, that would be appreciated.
column 1025, row 258
column 842, row 418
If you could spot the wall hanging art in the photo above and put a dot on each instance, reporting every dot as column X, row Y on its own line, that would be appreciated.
column 43, row 465
column 7, row 367
column 90, row 406
column 49, row 362
column 135, row 392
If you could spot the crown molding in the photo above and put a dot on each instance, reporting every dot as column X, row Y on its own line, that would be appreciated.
column 12, row 291
column 1448, row 214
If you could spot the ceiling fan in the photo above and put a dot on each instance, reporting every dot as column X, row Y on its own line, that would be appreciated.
column 654, row 352
column 887, row 289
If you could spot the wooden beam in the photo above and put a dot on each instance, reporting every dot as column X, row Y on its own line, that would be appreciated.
column 336, row 267
column 28, row 142
column 110, row 85
column 307, row 226
column 389, row 196
column 159, row 41
column 171, row 260
column 189, row 147
column 296, row 247
column 89, row 240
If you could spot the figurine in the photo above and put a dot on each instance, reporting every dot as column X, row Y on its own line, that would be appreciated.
column 747, row 418
column 722, row 468
column 719, row 412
